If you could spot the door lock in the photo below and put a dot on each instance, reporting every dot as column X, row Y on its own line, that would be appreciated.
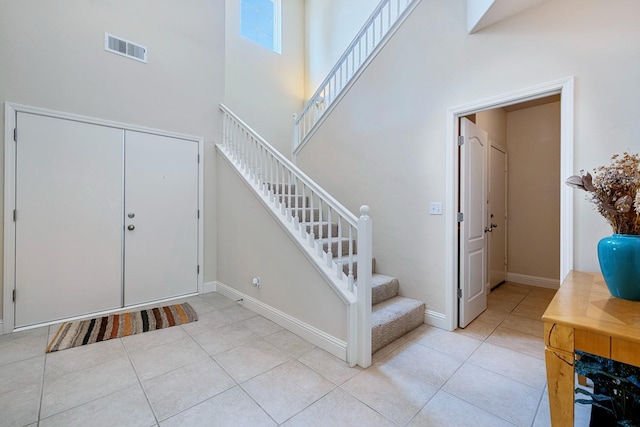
column 131, row 227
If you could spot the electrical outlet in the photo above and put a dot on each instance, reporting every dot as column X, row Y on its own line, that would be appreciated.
column 257, row 282
column 435, row 208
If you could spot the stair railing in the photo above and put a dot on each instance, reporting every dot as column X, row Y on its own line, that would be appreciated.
column 380, row 26
column 320, row 224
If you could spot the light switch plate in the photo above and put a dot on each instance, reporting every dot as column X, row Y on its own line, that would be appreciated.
column 435, row 208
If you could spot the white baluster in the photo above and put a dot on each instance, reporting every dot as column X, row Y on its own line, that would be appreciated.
column 296, row 202
column 388, row 16
column 312, row 233
column 287, row 192
column 250, row 140
column 350, row 275
column 254, row 159
column 303, row 230
column 329, row 253
column 261, row 154
column 274, row 181
column 296, row 132
column 320, row 229
column 271, row 181
column 235, row 131
column 339, row 271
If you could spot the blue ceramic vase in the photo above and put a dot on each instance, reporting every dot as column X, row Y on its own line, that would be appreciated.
column 619, row 257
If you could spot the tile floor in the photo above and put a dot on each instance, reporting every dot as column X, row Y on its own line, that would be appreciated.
column 234, row 368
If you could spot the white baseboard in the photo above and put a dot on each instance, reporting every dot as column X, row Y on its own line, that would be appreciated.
column 436, row 319
column 315, row 336
column 209, row 287
column 542, row 282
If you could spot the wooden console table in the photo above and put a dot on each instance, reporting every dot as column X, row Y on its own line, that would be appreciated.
column 584, row 316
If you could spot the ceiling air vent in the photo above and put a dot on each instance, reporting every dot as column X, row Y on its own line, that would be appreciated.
column 125, row 48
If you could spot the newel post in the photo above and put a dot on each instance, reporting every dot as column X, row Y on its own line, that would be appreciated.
column 365, row 255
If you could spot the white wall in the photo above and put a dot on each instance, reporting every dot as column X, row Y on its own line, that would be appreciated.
column 384, row 144
column 254, row 244
column 262, row 87
column 495, row 123
column 52, row 56
column 531, row 135
column 534, row 191
column 330, row 26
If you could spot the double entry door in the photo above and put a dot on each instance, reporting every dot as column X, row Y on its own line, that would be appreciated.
column 105, row 218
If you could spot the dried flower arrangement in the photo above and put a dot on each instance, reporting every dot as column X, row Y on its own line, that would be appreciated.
column 615, row 191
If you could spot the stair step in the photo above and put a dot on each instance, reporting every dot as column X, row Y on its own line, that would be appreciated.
column 335, row 248
column 383, row 288
column 282, row 188
column 295, row 201
column 394, row 318
column 323, row 227
column 306, row 214
column 345, row 265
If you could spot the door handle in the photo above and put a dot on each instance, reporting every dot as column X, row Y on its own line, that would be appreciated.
column 494, row 226
column 488, row 229
column 131, row 227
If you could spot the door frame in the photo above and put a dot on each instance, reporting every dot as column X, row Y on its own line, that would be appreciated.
column 565, row 87
column 8, row 273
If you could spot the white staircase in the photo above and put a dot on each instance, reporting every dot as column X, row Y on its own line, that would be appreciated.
column 338, row 242
column 381, row 25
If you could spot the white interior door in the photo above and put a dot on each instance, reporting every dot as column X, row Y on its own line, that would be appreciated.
column 498, row 216
column 473, row 205
column 161, row 217
column 68, row 219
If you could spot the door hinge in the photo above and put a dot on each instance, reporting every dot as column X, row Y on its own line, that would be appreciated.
column 198, row 158
column 459, row 293
column 15, row 215
column 15, row 134
column 460, row 217
column 460, row 140
column 14, row 295
column 198, row 269
column 198, row 213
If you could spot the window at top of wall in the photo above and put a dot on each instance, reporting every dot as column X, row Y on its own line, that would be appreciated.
column 260, row 22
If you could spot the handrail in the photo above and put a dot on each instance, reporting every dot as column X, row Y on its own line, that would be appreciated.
column 382, row 23
column 320, row 224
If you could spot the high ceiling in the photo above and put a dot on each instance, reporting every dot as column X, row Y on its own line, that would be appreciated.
column 484, row 13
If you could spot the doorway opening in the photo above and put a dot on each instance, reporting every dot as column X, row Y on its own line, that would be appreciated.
column 559, row 92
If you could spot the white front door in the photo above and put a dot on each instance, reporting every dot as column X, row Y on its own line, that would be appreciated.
column 68, row 219
column 498, row 216
column 472, row 231
column 160, row 217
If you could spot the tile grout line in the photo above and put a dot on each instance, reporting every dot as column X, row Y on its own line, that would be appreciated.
column 44, row 369
column 135, row 371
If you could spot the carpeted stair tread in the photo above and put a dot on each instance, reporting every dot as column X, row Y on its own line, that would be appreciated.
column 321, row 227
column 335, row 246
column 345, row 265
column 394, row 318
column 294, row 201
column 282, row 188
column 383, row 288
column 305, row 214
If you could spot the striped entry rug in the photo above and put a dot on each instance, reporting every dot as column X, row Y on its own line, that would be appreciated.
column 81, row 332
